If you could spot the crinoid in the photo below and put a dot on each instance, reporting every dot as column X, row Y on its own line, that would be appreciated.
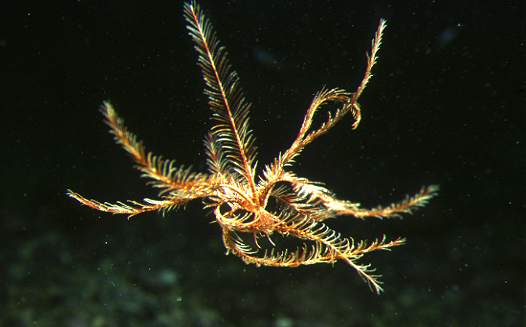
column 276, row 203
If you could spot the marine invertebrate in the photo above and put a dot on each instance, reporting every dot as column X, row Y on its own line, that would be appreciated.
column 277, row 202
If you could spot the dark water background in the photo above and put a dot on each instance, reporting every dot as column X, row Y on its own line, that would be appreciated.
column 446, row 106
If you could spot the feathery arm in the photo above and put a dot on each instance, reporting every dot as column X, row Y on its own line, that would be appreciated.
column 231, row 131
column 163, row 173
column 132, row 208
column 348, row 103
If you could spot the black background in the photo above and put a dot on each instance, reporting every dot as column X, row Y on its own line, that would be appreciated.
column 446, row 106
